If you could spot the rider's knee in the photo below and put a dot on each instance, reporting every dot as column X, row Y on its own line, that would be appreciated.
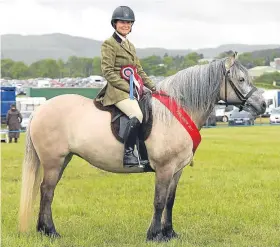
column 138, row 115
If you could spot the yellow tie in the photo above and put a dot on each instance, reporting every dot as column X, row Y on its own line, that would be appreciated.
column 125, row 44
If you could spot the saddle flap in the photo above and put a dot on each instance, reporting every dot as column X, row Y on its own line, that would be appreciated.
column 123, row 123
column 119, row 119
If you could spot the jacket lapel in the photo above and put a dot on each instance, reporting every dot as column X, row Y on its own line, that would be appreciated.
column 119, row 40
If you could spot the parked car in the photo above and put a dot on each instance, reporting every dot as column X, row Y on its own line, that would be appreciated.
column 241, row 118
column 224, row 112
column 228, row 111
column 25, row 118
column 275, row 116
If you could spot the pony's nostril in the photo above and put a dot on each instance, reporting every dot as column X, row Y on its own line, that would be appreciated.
column 263, row 105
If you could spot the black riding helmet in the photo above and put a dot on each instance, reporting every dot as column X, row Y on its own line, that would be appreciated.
column 123, row 13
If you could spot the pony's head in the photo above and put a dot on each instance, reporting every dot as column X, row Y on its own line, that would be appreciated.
column 237, row 88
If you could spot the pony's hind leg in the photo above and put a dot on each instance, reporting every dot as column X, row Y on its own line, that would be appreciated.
column 52, row 174
column 167, row 226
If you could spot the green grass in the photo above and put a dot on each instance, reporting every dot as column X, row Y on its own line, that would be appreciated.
column 231, row 197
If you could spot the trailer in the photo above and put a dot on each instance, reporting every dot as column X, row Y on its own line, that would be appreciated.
column 29, row 103
column 8, row 97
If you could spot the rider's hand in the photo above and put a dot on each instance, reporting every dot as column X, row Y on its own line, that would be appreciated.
column 146, row 90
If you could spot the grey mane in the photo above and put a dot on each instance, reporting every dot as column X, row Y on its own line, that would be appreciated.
column 196, row 89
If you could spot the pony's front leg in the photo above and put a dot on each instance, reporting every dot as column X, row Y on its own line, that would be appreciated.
column 163, row 179
column 167, row 226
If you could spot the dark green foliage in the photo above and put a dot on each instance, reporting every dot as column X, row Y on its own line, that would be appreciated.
column 50, row 68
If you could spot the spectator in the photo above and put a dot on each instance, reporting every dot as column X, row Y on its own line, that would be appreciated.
column 14, row 119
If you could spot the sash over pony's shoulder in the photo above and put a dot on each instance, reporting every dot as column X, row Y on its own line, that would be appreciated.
column 181, row 116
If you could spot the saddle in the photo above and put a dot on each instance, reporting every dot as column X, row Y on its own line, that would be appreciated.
column 119, row 119
column 119, row 122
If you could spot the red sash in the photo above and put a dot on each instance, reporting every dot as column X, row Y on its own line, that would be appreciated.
column 181, row 116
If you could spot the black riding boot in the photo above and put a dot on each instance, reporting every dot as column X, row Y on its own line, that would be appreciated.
column 130, row 136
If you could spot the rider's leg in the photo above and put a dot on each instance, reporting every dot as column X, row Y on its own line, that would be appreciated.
column 132, row 110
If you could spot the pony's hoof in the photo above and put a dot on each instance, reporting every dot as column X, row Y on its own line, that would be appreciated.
column 170, row 234
column 157, row 237
column 49, row 233
column 53, row 235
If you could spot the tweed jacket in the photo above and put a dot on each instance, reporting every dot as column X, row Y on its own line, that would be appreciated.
column 114, row 55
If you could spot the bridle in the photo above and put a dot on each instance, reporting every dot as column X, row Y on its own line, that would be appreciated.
column 238, row 93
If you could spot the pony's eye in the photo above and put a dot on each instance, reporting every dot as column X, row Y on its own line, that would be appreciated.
column 241, row 79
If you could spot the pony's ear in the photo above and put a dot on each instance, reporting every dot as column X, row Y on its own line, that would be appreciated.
column 235, row 55
column 230, row 60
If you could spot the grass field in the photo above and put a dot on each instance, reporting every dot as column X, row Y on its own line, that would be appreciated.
column 231, row 197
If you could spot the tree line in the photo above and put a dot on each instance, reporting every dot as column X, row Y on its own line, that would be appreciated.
column 84, row 67
column 50, row 68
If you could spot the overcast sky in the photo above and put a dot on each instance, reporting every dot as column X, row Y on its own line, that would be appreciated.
column 173, row 24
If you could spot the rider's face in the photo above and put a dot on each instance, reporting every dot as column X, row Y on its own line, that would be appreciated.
column 123, row 27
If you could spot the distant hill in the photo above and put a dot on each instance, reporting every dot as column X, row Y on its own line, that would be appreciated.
column 266, row 53
column 240, row 48
column 31, row 48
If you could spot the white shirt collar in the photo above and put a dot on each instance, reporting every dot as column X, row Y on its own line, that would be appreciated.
column 122, row 37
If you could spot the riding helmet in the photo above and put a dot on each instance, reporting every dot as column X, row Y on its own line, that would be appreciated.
column 123, row 13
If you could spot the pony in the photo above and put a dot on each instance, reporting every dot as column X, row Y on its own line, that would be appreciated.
column 70, row 125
